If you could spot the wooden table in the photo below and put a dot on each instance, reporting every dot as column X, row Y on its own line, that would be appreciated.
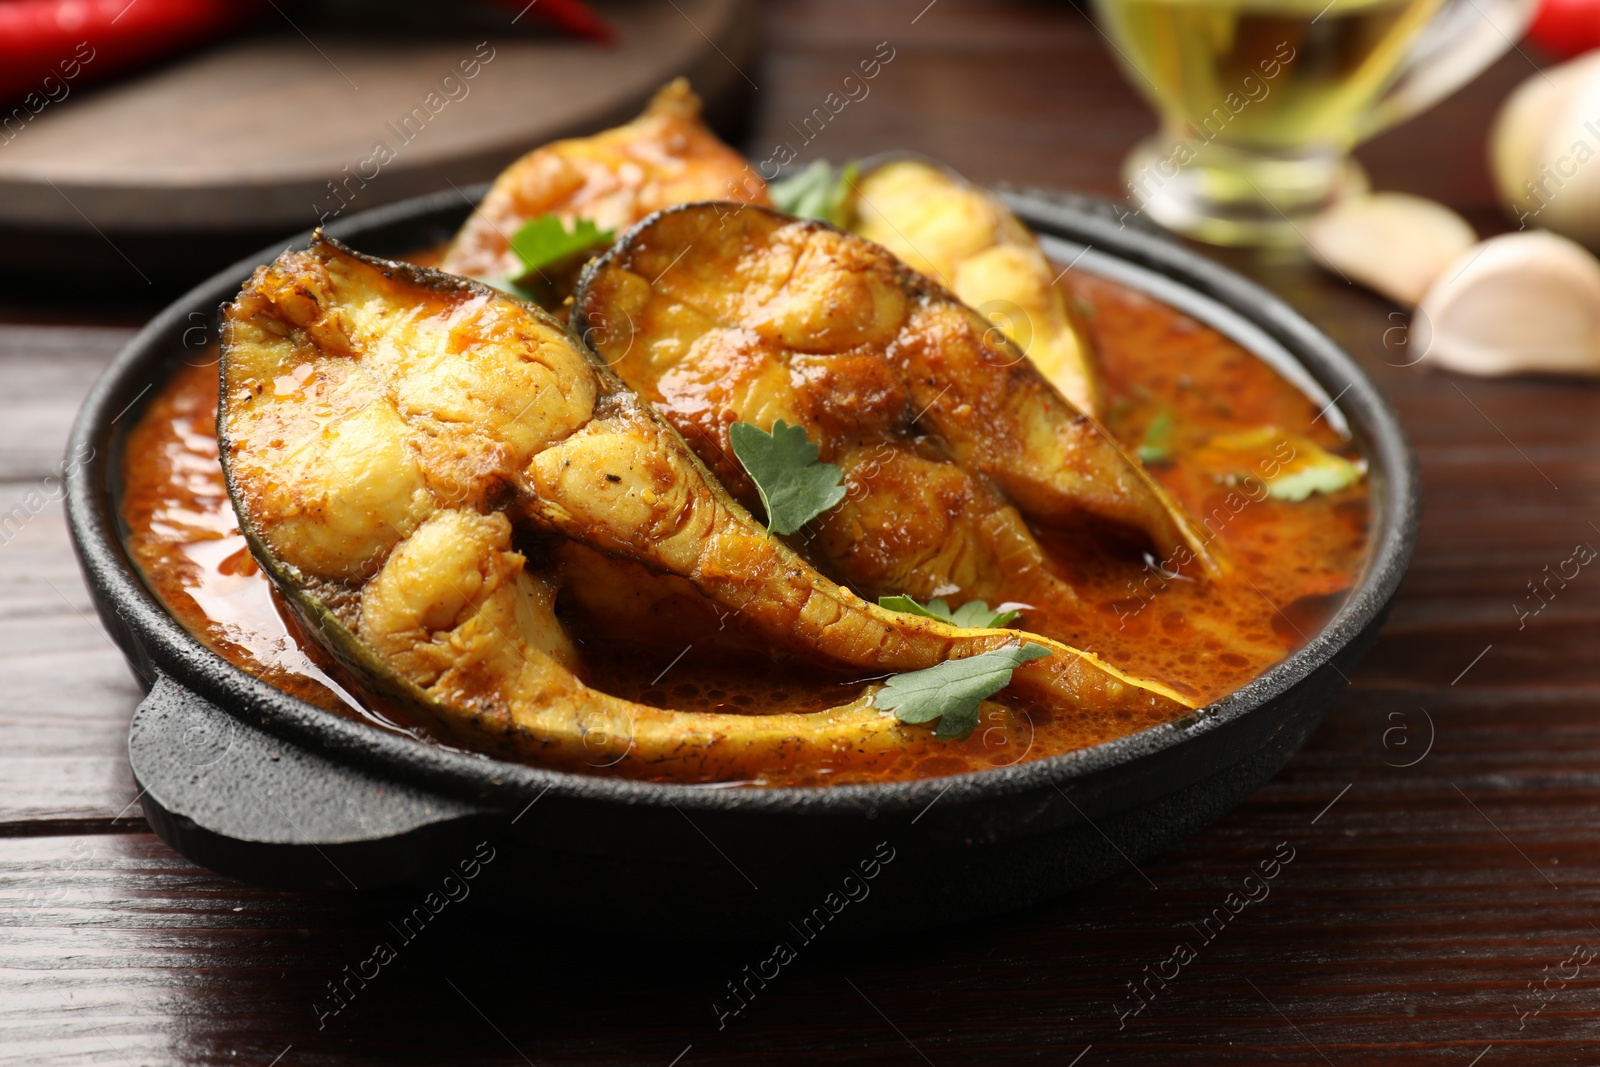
column 1443, row 821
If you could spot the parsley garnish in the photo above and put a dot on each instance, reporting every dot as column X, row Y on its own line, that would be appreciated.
column 507, row 285
column 1326, row 473
column 974, row 614
column 1157, row 444
column 544, row 240
column 952, row 690
column 818, row 192
column 1307, row 467
column 795, row 488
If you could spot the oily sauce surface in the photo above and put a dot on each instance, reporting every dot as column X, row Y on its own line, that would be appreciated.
column 183, row 535
column 1293, row 562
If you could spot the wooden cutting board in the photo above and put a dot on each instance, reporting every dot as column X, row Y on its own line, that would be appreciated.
column 248, row 135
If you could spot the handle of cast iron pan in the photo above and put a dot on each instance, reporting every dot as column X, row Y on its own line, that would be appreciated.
column 236, row 799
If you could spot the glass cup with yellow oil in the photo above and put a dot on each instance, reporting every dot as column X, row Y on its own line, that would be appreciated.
column 1261, row 101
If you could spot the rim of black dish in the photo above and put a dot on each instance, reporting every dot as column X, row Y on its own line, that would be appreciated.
column 145, row 625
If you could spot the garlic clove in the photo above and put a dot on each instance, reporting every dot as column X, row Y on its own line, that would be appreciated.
column 1519, row 303
column 1543, row 146
column 1392, row 242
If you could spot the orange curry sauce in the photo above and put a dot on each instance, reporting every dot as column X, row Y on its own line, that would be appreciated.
column 1292, row 562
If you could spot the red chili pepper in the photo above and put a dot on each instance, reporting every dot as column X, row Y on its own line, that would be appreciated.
column 573, row 16
column 83, row 40
column 1565, row 28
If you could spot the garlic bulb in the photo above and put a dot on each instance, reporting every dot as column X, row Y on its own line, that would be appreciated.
column 1518, row 303
column 1392, row 242
column 1543, row 150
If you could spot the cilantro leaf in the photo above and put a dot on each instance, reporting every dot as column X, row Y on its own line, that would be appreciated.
column 804, row 194
column 974, row 614
column 952, row 690
column 1314, row 471
column 795, row 488
column 508, row 285
column 544, row 240
column 1293, row 467
column 1157, row 444
column 818, row 192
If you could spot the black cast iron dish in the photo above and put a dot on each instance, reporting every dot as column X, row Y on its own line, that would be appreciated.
column 249, row 781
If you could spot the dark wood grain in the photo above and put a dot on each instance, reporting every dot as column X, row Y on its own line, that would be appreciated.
column 67, row 690
column 1422, row 902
